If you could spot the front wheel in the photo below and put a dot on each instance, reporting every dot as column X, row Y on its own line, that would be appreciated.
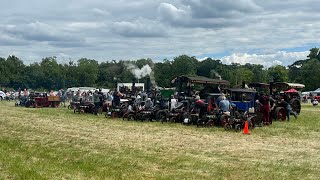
column 173, row 119
column 130, row 117
column 200, row 123
column 227, row 127
column 210, row 123
column 238, row 127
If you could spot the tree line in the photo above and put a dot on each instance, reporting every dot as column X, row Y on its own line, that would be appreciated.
column 51, row 75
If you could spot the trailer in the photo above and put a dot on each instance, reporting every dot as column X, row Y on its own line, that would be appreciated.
column 43, row 100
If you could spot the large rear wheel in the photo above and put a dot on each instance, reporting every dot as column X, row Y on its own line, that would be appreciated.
column 296, row 105
column 280, row 113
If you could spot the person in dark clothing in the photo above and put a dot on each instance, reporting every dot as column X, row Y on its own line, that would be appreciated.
column 288, row 108
column 273, row 105
column 101, row 97
column 264, row 103
column 116, row 98
column 96, row 100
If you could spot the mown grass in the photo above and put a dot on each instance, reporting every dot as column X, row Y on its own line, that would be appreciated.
column 52, row 143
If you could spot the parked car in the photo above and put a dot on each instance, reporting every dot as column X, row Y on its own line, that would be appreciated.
column 2, row 95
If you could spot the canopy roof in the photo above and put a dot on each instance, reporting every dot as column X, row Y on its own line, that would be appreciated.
column 290, row 85
column 291, row 91
column 257, row 84
column 317, row 90
column 241, row 90
column 202, row 80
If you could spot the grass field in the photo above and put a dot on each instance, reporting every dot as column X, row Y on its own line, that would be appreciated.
column 52, row 143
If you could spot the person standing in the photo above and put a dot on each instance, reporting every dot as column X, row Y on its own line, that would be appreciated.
column 273, row 105
column 224, row 104
column 96, row 101
column 264, row 103
column 173, row 103
column 63, row 97
column 219, row 99
column 116, row 98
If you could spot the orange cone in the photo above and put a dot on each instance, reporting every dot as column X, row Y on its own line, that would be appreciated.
column 246, row 128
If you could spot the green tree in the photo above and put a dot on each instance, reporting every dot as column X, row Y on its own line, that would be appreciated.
column 87, row 72
column 34, row 76
column 15, row 72
column 209, row 68
column 4, row 73
column 278, row 73
column 259, row 74
column 314, row 54
column 184, row 65
column 311, row 74
column 52, row 74
column 164, row 73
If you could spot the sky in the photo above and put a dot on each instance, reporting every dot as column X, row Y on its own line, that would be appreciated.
column 241, row 31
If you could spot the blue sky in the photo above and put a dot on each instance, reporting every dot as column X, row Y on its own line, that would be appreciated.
column 243, row 31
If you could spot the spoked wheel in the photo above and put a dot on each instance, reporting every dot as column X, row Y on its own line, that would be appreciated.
column 161, row 115
column 238, row 127
column 227, row 126
column 280, row 113
column 124, row 116
column 252, row 123
column 81, row 110
column 200, row 123
column 146, row 117
column 173, row 119
column 130, row 117
column 210, row 123
column 296, row 106
column 223, row 120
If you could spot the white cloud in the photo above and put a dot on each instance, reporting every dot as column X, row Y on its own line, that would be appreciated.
column 169, row 12
column 100, row 11
column 139, row 28
column 126, row 29
column 267, row 60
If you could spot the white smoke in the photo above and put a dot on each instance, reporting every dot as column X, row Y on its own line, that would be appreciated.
column 138, row 73
column 152, row 78
column 216, row 74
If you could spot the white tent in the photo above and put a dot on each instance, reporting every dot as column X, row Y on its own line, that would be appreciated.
column 317, row 90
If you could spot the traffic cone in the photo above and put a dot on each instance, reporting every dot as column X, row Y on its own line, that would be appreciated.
column 246, row 128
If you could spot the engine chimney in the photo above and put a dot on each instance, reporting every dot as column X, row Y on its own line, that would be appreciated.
column 133, row 89
column 148, row 85
column 243, row 85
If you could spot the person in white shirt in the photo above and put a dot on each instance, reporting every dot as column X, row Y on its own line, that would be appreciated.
column 174, row 103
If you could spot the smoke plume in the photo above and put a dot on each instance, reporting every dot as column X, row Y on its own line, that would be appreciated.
column 213, row 72
column 143, row 72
